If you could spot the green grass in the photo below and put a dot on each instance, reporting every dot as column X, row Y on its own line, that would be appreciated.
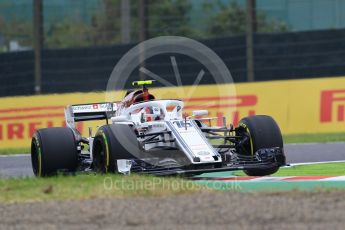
column 324, row 169
column 288, row 139
column 13, row 151
column 90, row 186
column 321, row 138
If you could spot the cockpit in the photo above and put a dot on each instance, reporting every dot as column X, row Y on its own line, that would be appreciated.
column 155, row 110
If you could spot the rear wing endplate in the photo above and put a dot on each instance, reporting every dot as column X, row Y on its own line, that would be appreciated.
column 89, row 112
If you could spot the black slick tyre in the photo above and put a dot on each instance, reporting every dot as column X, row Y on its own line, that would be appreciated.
column 111, row 143
column 53, row 150
column 263, row 132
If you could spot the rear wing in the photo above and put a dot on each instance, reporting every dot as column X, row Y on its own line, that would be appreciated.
column 89, row 112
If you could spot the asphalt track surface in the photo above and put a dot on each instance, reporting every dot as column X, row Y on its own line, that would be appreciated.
column 20, row 165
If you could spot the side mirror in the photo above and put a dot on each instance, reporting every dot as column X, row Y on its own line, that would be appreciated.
column 200, row 113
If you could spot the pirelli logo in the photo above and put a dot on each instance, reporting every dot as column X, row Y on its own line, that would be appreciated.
column 238, row 106
column 21, row 123
column 332, row 106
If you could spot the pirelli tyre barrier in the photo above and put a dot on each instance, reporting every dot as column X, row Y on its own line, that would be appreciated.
column 298, row 106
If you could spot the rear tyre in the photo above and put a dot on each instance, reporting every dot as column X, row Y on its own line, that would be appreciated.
column 53, row 150
column 264, row 132
column 111, row 143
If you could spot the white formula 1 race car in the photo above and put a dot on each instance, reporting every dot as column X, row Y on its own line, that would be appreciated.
column 154, row 137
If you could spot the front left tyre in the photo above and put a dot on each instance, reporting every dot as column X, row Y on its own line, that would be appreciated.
column 111, row 143
column 53, row 150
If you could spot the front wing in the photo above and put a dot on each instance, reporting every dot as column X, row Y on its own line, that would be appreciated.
column 267, row 159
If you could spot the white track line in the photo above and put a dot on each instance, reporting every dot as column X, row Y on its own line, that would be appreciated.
column 336, row 178
column 317, row 143
column 312, row 163
column 15, row 155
